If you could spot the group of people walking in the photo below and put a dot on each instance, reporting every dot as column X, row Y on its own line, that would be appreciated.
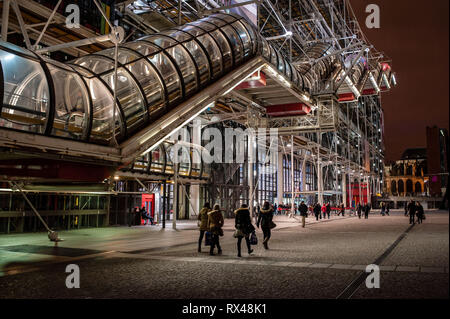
column 415, row 209
column 212, row 221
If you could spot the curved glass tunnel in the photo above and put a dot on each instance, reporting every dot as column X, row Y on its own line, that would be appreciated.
column 155, row 74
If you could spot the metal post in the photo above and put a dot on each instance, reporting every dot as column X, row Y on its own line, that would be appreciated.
column 5, row 20
column 52, row 235
column 175, row 196
column 46, row 25
column 164, row 202
column 292, row 177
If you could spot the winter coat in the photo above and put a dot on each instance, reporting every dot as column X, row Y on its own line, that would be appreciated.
column 328, row 209
column 215, row 222
column 303, row 210
column 203, row 218
column 242, row 221
column 316, row 209
column 265, row 217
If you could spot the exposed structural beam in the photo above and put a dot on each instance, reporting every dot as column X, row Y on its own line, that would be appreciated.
column 113, row 37
column 46, row 25
column 214, row 10
column 52, row 235
column 21, row 24
column 5, row 19
column 350, row 68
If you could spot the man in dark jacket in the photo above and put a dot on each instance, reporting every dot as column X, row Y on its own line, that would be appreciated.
column 366, row 211
column 317, row 209
column 412, row 212
column 328, row 210
column 303, row 212
column 359, row 210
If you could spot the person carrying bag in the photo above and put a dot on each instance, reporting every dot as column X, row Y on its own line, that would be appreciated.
column 215, row 224
column 244, row 227
column 265, row 220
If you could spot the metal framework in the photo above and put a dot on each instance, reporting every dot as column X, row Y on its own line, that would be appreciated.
column 312, row 52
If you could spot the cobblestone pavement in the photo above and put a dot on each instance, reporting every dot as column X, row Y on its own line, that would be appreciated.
column 326, row 259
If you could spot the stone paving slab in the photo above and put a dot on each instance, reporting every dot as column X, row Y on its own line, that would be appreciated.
column 388, row 268
column 432, row 269
column 299, row 264
column 359, row 267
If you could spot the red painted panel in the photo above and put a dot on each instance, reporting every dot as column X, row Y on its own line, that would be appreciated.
column 260, row 82
column 346, row 97
column 288, row 109
column 369, row 92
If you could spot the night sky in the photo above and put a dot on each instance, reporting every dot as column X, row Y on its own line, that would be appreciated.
column 414, row 34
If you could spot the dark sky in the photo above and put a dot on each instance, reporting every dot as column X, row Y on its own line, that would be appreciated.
column 414, row 34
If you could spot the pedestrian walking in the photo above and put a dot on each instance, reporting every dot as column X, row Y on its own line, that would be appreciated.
column 323, row 211
column 244, row 227
column 406, row 209
column 420, row 213
column 265, row 220
column 342, row 209
column 366, row 211
column 215, row 224
column 383, row 209
column 203, row 224
column 303, row 212
column 328, row 210
column 359, row 210
column 387, row 209
column 412, row 212
column 317, row 210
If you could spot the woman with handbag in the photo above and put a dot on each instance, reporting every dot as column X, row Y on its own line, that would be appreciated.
column 265, row 220
column 244, row 227
column 215, row 224
column 203, row 224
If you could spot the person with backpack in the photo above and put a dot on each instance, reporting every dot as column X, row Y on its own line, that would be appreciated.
column 203, row 224
column 244, row 227
column 328, row 210
column 265, row 220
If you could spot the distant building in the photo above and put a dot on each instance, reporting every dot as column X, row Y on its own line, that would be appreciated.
column 421, row 174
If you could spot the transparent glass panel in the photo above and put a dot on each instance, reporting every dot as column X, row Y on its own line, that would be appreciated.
column 225, row 48
column 214, row 53
column 129, row 96
column 186, row 66
column 160, row 40
column 150, row 83
column 252, row 34
column 226, row 17
column 281, row 61
column 124, row 56
column 142, row 47
column 141, row 164
column 288, row 70
column 273, row 57
column 266, row 49
column 169, row 74
column 294, row 76
column 195, row 31
column 200, row 58
column 169, row 157
column 102, row 101
column 245, row 38
column 177, row 35
column 157, row 158
column 26, row 94
column 214, row 21
column 17, row 49
column 71, row 104
column 96, row 64
column 235, row 43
